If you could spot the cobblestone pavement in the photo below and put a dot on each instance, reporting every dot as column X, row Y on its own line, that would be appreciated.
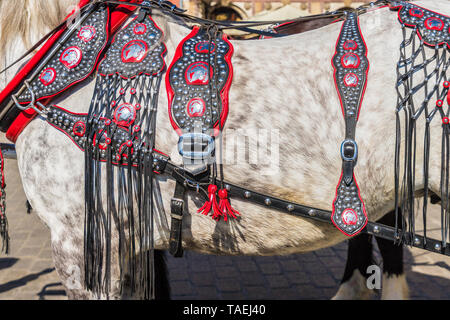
column 28, row 273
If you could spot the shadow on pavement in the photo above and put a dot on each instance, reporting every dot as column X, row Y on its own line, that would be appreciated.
column 23, row 281
column 7, row 262
column 46, row 292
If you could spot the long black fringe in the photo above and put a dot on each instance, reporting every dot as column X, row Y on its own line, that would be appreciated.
column 415, row 60
column 128, row 191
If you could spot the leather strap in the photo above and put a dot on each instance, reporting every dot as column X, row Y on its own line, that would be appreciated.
column 176, row 212
column 351, row 66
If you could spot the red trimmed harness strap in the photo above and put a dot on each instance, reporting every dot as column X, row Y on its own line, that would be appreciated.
column 351, row 66
column 14, row 122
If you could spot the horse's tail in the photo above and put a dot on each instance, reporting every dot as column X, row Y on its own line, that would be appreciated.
column 162, row 287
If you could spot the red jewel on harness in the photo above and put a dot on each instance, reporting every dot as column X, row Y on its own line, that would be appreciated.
column 197, row 73
column 87, row 33
column 71, row 57
column 349, row 217
column 416, row 12
column 124, row 115
column 196, row 107
column 350, row 45
column 203, row 47
column 439, row 103
column 446, row 84
column 351, row 80
column 134, row 51
column 140, row 28
column 434, row 23
column 102, row 142
column 445, row 120
column 48, row 76
column 79, row 128
column 350, row 60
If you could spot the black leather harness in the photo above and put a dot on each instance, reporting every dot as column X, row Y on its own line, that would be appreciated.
column 120, row 130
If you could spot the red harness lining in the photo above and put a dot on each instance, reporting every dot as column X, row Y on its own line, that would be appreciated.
column 118, row 17
column 223, row 93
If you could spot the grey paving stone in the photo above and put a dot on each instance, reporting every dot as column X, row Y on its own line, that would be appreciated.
column 257, row 293
column 181, row 288
column 270, row 268
column 247, row 265
column 226, row 285
column 252, row 279
column 277, row 281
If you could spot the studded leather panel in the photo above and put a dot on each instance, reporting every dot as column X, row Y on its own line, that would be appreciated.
column 73, row 62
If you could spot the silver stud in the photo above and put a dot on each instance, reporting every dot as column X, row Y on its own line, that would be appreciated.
column 290, row 207
column 228, row 187
column 247, row 194
column 416, row 241
column 376, row 229
column 437, row 247
column 312, row 213
column 268, row 202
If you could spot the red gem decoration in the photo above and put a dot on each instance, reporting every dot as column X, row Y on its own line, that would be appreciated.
column 87, row 33
column 136, row 128
column 350, row 45
column 196, row 107
column 124, row 115
column 122, row 91
column 350, row 60
column 225, row 206
column 71, row 57
column 134, row 51
column 416, row 12
column 351, row 80
column 203, row 47
column 79, row 128
column 445, row 120
column 446, row 84
column 197, row 73
column 107, row 122
column 48, row 76
column 133, row 91
column 103, row 142
column 211, row 204
column 439, row 103
column 434, row 23
column 137, row 106
column 140, row 28
column 349, row 217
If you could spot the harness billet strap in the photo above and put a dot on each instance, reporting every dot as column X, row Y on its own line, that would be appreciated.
column 351, row 66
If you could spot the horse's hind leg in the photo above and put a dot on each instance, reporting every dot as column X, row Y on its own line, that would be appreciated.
column 359, row 258
column 395, row 286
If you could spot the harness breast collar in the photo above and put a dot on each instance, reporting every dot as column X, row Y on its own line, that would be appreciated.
column 119, row 130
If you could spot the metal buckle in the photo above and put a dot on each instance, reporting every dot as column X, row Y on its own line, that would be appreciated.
column 32, row 102
column 349, row 150
column 176, row 207
column 201, row 144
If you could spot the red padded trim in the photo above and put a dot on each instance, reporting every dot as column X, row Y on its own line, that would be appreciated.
column 367, row 72
column 400, row 7
column 20, row 76
column 223, row 93
column 362, row 202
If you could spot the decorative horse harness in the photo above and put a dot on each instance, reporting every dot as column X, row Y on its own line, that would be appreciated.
column 118, row 133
